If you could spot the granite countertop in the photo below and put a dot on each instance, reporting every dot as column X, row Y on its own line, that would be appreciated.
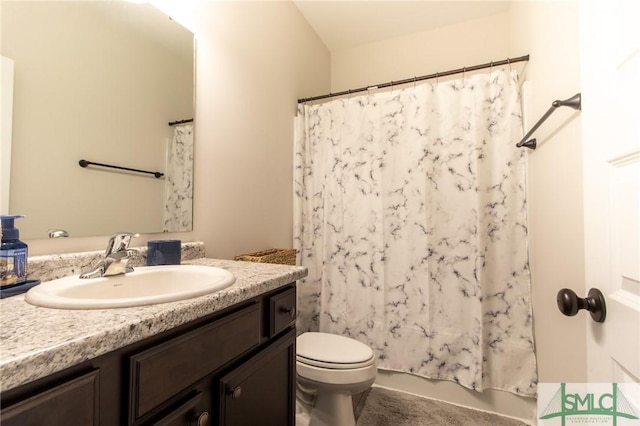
column 35, row 341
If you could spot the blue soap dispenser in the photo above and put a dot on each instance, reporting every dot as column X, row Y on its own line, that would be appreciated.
column 13, row 253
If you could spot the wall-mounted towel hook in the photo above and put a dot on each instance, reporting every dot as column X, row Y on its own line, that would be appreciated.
column 574, row 102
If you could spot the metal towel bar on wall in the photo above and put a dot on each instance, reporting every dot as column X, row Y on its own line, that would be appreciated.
column 574, row 102
column 85, row 163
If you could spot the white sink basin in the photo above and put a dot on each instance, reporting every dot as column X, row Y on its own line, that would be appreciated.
column 146, row 285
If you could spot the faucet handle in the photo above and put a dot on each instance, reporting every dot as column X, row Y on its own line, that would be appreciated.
column 119, row 242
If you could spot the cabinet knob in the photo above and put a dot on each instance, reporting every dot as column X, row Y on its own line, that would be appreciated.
column 291, row 311
column 237, row 392
column 201, row 420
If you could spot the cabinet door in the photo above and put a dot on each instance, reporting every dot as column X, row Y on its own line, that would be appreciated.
column 261, row 392
column 282, row 311
column 74, row 402
column 189, row 413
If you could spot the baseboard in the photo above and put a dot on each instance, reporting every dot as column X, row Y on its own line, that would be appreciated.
column 491, row 401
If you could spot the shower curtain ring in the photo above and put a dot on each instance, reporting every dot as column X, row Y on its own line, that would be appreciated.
column 415, row 78
column 491, row 67
column 437, row 78
column 509, row 62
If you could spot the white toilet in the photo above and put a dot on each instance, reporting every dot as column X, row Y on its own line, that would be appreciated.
column 330, row 369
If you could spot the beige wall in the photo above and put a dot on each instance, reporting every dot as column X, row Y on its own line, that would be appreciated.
column 451, row 47
column 254, row 60
column 554, row 181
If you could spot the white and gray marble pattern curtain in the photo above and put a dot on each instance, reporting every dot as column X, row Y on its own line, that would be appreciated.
column 178, row 199
column 410, row 214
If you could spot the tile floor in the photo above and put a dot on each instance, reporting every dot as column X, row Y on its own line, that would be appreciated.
column 384, row 407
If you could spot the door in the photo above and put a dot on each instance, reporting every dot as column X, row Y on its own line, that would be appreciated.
column 610, row 68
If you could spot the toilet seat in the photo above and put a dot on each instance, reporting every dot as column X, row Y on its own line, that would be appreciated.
column 332, row 351
column 333, row 365
column 328, row 376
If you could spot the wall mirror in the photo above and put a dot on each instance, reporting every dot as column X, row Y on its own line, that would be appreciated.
column 99, row 81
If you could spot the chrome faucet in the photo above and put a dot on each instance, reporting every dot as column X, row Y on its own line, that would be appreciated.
column 57, row 233
column 116, row 257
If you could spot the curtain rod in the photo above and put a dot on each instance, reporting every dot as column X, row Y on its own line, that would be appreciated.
column 507, row 61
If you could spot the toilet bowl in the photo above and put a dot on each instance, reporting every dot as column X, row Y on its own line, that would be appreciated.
column 330, row 369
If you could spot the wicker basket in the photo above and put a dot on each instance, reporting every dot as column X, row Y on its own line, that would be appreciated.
column 282, row 256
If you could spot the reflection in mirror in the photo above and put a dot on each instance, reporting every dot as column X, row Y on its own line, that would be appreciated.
column 99, row 81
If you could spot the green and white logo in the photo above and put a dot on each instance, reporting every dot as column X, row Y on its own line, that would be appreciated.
column 589, row 404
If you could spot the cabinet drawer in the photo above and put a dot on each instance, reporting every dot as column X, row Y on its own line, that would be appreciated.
column 282, row 309
column 72, row 403
column 166, row 369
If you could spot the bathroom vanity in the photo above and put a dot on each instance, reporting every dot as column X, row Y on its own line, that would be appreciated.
column 227, row 358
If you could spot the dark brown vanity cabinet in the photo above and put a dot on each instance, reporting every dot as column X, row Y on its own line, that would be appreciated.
column 233, row 368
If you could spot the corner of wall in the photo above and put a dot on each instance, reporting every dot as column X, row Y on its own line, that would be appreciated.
column 554, row 180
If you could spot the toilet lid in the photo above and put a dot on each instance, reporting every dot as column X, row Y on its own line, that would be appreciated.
column 332, row 350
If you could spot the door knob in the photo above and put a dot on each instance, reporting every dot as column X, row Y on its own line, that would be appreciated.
column 569, row 303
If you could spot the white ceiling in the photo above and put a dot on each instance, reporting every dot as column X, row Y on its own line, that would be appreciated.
column 344, row 24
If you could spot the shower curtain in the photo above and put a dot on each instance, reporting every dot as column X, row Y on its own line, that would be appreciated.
column 410, row 215
column 178, row 203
